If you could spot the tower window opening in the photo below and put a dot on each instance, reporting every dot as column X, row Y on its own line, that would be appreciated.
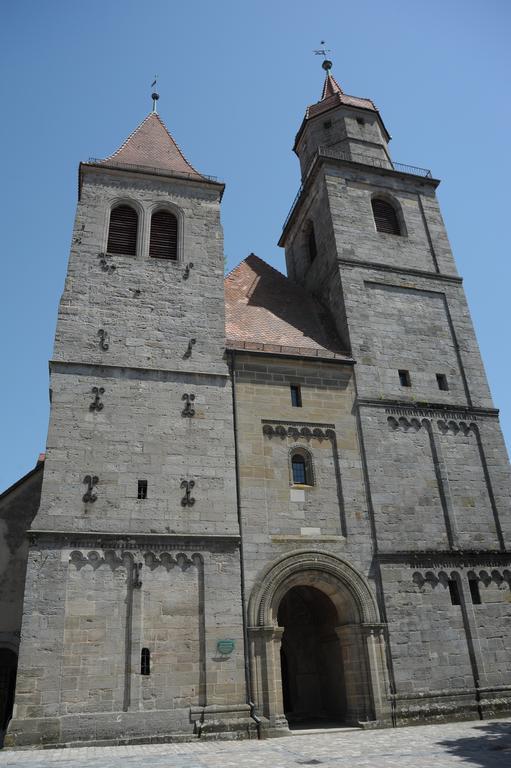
column 142, row 489
column 385, row 217
column 311, row 244
column 122, row 231
column 163, row 240
column 475, row 594
column 361, row 121
column 441, row 379
column 301, row 468
column 404, row 378
column 327, row 124
column 454, row 591
column 296, row 396
column 145, row 662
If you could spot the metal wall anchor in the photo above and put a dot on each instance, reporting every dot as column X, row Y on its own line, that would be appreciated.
column 188, row 410
column 91, row 481
column 103, row 339
column 137, row 581
column 188, row 352
column 187, row 500
column 105, row 266
column 186, row 273
column 96, row 404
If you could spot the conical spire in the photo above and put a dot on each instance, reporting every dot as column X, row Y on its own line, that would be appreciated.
column 151, row 145
column 330, row 86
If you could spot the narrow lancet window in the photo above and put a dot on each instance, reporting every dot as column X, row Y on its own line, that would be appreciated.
column 145, row 662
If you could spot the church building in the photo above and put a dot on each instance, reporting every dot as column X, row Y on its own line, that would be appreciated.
column 265, row 502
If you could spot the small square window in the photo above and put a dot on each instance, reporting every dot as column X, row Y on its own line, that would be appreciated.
column 441, row 380
column 474, row 591
column 454, row 592
column 404, row 378
column 296, row 396
column 327, row 124
column 361, row 121
column 142, row 489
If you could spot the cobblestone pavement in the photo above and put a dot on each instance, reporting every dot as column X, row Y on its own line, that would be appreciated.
column 475, row 744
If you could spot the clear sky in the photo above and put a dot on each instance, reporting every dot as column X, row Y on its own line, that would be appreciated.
column 235, row 78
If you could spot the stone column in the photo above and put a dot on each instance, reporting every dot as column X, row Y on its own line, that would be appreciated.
column 374, row 635
column 265, row 645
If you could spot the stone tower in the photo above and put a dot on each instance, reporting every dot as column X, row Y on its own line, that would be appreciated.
column 366, row 237
column 132, row 619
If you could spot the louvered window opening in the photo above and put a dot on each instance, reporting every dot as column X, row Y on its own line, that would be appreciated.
column 163, row 242
column 122, row 232
column 385, row 217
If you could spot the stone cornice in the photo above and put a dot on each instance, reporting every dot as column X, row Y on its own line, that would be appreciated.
column 128, row 540
column 372, row 265
column 428, row 410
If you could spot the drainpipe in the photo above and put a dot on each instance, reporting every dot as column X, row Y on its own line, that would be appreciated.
column 248, row 671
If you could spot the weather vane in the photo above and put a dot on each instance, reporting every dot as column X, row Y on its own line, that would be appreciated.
column 327, row 64
column 155, row 96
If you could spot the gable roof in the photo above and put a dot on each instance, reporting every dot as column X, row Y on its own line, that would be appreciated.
column 267, row 312
column 151, row 146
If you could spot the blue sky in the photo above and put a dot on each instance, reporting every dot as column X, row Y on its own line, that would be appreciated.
column 235, row 78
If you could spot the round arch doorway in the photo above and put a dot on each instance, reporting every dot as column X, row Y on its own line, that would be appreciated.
column 313, row 688
column 317, row 645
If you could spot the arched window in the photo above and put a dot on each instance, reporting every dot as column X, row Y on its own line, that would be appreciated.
column 122, row 232
column 385, row 217
column 301, row 468
column 145, row 661
column 311, row 243
column 163, row 242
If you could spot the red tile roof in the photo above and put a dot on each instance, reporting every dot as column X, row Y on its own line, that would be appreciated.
column 151, row 146
column 268, row 312
column 333, row 95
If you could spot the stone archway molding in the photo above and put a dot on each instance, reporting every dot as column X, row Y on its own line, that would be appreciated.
column 261, row 601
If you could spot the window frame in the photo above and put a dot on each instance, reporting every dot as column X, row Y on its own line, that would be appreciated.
column 308, row 465
column 129, row 203
column 398, row 212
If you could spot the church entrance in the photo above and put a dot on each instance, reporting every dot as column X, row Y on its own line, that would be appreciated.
column 316, row 643
column 8, row 665
column 313, row 687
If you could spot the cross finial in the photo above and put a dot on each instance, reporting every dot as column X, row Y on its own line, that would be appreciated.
column 155, row 95
column 327, row 64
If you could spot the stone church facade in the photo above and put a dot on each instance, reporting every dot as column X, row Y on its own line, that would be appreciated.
column 264, row 500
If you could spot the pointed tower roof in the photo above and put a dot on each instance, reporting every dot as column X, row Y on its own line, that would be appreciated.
column 330, row 86
column 151, row 146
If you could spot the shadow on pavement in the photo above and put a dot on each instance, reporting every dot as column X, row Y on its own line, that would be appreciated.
column 490, row 748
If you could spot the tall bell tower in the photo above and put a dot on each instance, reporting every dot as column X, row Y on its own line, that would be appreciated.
column 366, row 236
column 132, row 624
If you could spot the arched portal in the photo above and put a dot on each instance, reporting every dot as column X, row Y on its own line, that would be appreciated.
column 313, row 687
column 317, row 646
column 8, row 666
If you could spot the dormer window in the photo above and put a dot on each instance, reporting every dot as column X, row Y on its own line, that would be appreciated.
column 163, row 240
column 385, row 217
column 122, row 230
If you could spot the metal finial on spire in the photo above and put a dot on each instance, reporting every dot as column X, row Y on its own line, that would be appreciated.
column 155, row 96
column 326, row 64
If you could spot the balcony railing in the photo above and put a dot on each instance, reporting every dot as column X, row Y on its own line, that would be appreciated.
column 152, row 170
column 374, row 162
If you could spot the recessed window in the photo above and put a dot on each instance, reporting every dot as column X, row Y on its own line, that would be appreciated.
column 385, row 217
column 142, row 489
column 145, row 661
column 163, row 240
column 296, row 396
column 441, row 380
column 404, row 378
column 301, row 467
column 473, row 583
column 361, row 121
column 327, row 124
column 122, row 231
column 454, row 591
